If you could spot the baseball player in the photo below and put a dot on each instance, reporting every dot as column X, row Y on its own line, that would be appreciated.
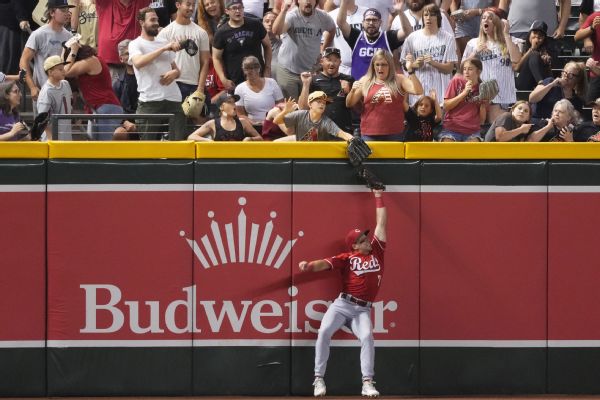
column 362, row 269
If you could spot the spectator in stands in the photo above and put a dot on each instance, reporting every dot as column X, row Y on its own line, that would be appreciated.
column 421, row 118
column 300, row 48
column 84, row 20
column 354, row 18
column 45, row 42
column 382, row 92
column 387, row 8
column 469, row 22
column 414, row 13
column 586, row 8
column 237, row 38
column 590, row 130
column 193, row 68
column 512, row 126
column 464, row 112
column 13, row 21
column 309, row 125
column 522, row 13
column 270, row 130
column 6, row 78
column 116, row 22
column 536, row 62
column 56, row 97
column 126, row 86
column 498, row 53
column 257, row 95
column 227, row 126
column 254, row 8
column 335, row 85
column 95, row 86
column 432, row 53
column 165, row 9
column 11, row 127
column 209, row 15
column 590, row 30
column 268, row 20
column 154, row 64
column 570, row 85
column 365, row 42
column 561, row 126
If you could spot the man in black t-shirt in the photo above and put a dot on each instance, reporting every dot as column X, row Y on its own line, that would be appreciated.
column 334, row 84
column 236, row 39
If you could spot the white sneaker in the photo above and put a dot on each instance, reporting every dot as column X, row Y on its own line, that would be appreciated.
column 320, row 388
column 368, row 389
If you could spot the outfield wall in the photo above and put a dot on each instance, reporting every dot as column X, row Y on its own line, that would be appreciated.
column 171, row 268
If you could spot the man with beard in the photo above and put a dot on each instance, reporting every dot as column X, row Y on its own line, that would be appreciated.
column 354, row 17
column 300, row 47
column 414, row 13
column 432, row 52
column 330, row 81
column 236, row 39
column 364, row 43
column 156, row 71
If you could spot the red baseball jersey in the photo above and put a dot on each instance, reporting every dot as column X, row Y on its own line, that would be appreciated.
column 361, row 274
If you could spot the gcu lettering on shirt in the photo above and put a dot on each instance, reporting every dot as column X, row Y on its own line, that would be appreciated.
column 360, row 266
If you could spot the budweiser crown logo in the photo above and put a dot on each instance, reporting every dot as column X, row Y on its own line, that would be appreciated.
column 234, row 246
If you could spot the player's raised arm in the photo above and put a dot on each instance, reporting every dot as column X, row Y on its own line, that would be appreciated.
column 380, row 215
column 315, row 266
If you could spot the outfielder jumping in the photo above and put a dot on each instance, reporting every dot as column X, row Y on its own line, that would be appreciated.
column 362, row 270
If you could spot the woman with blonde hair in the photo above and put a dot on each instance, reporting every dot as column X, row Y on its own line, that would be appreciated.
column 382, row 91
column 499, row 55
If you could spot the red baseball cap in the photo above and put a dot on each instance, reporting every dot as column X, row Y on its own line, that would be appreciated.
column 353, row 236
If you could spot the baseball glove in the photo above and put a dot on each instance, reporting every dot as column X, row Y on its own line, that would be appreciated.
column 189, row 46
column 193, row 104
column 358, row 151
column 594, row 138
column 39, row 125
column 371, row 180
column 487, row 90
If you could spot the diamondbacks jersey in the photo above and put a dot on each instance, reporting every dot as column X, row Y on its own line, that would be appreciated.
column 495, row 66
column 442, row 48
column 361, row 274
column 355, row 21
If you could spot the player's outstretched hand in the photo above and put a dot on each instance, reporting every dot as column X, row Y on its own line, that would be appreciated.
column 303, row 265
column 377, row 192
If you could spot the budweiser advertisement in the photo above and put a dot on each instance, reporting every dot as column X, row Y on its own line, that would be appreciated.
column 182, row 267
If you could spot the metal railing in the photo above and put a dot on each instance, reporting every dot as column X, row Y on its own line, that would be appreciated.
column 95, row 121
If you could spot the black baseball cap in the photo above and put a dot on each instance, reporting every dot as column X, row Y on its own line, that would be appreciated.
column 539, row 26
column 226, row 97
column 331, row 50
column 59, row 4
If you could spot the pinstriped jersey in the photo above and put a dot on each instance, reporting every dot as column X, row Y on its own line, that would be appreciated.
column 495, row 66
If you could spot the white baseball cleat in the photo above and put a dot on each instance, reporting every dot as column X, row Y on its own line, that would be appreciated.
column 368, row 389
column 320, row 388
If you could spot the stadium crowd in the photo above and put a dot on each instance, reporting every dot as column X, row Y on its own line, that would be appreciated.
column 303, row 70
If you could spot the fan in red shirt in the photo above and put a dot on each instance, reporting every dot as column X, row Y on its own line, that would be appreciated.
column 362, row 269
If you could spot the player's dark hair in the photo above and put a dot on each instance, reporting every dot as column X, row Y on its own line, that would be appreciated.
column 5, row 107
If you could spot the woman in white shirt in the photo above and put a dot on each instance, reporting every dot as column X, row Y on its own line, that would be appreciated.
column 257, row 94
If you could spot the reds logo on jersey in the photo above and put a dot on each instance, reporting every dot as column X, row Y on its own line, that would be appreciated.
column 361, row 266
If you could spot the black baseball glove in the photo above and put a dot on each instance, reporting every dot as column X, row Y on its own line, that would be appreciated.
column 370, row 179
column 39, row 125
column 358, row 151
column 189, row 46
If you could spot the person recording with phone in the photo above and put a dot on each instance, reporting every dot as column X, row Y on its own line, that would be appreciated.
column 11, row 126
column 560, row 127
